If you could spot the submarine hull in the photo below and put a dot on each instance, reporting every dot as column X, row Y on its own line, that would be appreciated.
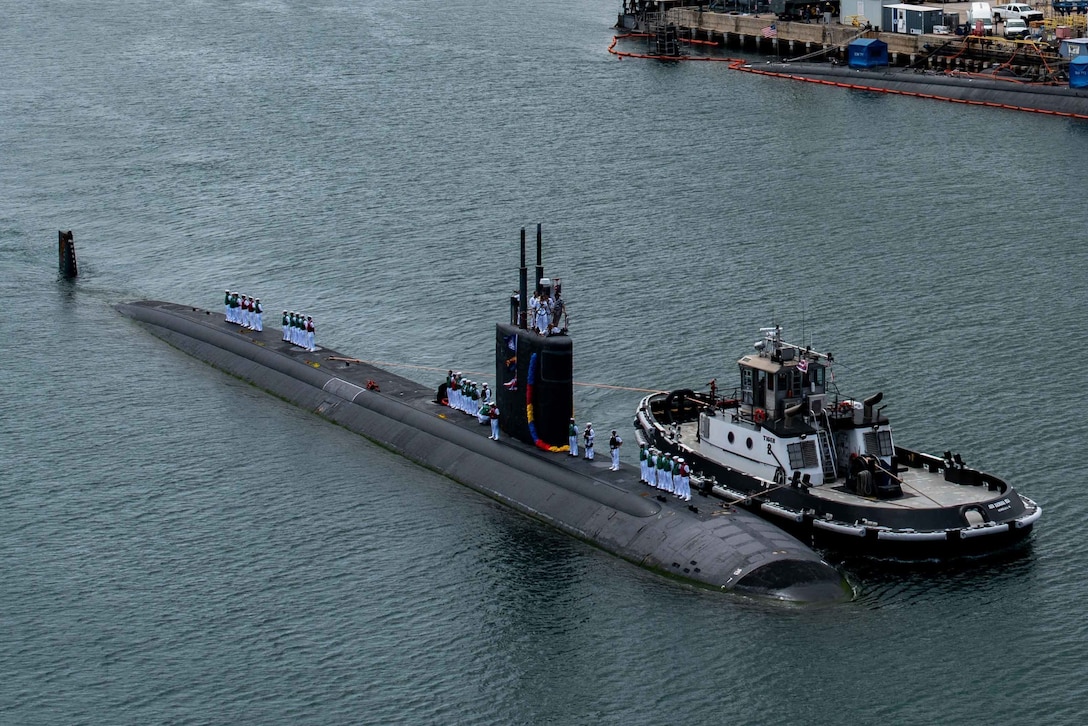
column 713, row 545
column 960, row 88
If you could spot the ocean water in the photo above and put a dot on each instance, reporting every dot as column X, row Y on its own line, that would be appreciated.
column 179, row 547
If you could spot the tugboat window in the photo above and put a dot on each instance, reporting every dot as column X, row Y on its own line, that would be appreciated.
column 746, row 385
column 879, row 443
column 748, row 443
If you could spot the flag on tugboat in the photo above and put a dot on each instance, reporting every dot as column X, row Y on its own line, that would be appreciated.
column 770, row 31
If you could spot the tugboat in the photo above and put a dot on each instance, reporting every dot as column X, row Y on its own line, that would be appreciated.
column 824, row 466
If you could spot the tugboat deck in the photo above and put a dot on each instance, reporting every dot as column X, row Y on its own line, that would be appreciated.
column 922, row 489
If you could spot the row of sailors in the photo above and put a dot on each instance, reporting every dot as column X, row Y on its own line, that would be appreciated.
column 243, row 310
column 465, row 395
column 299, row 330
column 669, row 474
column 474, row 399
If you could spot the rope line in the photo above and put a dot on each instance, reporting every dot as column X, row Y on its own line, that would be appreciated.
column 389, row 364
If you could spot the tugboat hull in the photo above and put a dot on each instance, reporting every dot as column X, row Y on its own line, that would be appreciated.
column 981, row 513
column 791, row 448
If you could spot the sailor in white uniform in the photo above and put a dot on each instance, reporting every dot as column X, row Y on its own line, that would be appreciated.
column 685, row 482
column 286, row 327
column 543, row 315
column 310, row 332
column 494, row 414
column 226, row 306
column 257, row 310
column 572, row 437
column 587, row 439
column 614, row 444
column 642, row 458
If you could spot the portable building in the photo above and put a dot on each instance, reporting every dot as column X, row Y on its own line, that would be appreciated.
column 1078, row 72
column 1073, row 47
column 867, row 53
column 912, row 19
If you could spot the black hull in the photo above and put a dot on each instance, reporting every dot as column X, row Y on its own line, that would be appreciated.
column 963, row 88
column 722, row 548
column 861, row 529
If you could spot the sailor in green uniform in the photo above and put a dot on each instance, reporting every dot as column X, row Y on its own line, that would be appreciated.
column 572, row 437
column 286, row 326
column 642, row 464
column 664, row 472
column 226, row 306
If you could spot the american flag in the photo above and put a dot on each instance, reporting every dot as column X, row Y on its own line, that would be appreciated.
column 769, row 32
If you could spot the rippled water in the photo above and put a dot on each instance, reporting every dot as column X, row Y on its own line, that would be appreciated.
column 179, row 547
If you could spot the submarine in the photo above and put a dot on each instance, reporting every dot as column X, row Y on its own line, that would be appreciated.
column 705, row 542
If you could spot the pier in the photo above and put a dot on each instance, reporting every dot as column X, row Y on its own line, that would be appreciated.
column 764, row 33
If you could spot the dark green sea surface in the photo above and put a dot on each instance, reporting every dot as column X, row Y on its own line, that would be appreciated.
column 179, row 547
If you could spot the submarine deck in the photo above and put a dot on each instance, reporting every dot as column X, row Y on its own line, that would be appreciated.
column 613, row 488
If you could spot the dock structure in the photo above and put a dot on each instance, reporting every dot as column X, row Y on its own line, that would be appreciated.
column 766, row 34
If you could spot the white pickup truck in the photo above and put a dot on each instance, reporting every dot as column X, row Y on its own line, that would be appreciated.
column 1014, row 10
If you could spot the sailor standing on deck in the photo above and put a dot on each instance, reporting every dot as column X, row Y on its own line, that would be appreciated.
column 534, row 305
column 494, row 414
column 257, row 310
column 572, row 437
column 286, row 326
column 226, row 306
column 664, row 472
column 614, row 444
column 587, row 439
column 675, row 475
column 310, row 332
column 685, row 481
column 642, row 464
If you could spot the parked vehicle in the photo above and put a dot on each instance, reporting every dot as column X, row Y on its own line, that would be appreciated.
column 980, row 12
column 1016, row 28
column 1017, row 11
